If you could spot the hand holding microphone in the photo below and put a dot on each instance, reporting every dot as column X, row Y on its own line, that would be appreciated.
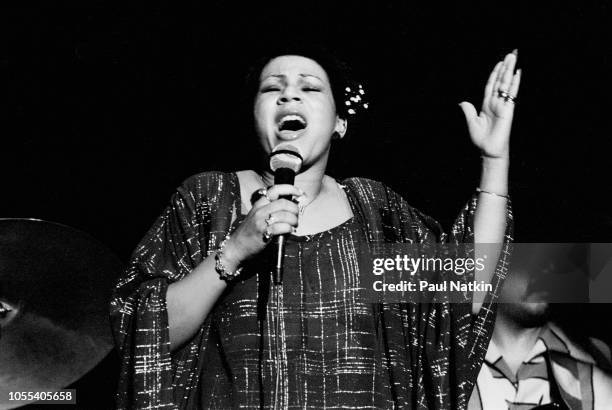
column 273, row 215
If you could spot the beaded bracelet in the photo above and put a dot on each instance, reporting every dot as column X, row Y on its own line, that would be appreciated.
column 492, row 193
column 220, row 267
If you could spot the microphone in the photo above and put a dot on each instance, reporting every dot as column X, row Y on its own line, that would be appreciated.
column 285, row 162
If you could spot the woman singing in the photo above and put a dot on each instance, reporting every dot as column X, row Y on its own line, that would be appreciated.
column 199, row 324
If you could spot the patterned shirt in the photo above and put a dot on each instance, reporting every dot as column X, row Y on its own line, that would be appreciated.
column 498, row 388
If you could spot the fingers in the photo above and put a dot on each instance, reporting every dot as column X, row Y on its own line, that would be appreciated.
column 279, row 229
column 262, row 201
column 279, row 205
column 489, row 88
column 283, row 217
column 469, row 111
column 506, row 73
column 278, row 222
column 277, row 191
column 501, row 78
column 262, row 196
column 281, row 212
column 472, row 118
column 270, row 216
column 516, row 81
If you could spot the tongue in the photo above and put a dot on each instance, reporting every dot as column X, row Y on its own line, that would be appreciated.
column 289, row 134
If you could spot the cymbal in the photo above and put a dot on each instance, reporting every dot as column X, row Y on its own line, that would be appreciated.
column 55, row 286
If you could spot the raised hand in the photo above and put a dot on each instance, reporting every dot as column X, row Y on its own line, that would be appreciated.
column 490, row 129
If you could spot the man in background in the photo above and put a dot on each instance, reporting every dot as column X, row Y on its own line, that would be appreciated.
column 531, row 363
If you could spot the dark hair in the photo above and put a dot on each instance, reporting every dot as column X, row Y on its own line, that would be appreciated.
column 338, row 72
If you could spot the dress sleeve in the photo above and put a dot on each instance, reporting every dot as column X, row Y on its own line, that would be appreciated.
column 150, row 375
column 478, row 334
column 453, row 342
column 468, row 335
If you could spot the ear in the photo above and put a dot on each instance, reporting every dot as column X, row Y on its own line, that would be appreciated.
column 340, row 128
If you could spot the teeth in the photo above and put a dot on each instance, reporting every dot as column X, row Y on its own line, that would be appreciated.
column 292, row 117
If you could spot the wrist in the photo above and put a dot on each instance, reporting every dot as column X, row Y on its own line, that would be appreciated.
column 502, row 162
column 494, row 176
column 231, row 257
column 226, row 263
column 495, row 194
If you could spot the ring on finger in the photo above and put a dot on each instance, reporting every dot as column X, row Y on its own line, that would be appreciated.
column 267, row 235
column 506, row 96
column 509, row 97
column 262, row 192
column 269, row 220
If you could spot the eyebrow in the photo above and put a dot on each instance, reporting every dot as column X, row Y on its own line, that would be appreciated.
column 301, row 75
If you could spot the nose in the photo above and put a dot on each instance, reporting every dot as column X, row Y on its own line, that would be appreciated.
column 289, row 94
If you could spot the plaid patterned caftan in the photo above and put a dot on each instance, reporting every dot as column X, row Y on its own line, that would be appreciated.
column 334, row 351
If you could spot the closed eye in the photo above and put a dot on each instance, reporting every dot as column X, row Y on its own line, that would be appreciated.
column 311, row 89
column 269, row 89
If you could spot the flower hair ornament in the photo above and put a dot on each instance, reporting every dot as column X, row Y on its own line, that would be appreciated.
column 355, row 100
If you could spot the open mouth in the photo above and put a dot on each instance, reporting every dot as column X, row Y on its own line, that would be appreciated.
column 292, row 122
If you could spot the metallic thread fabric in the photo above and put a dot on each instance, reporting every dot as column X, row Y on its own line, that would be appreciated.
column 311, row 343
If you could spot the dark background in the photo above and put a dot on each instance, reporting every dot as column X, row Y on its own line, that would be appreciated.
column 108, row 106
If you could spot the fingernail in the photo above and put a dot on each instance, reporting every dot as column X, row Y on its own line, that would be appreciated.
column 515, row 52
